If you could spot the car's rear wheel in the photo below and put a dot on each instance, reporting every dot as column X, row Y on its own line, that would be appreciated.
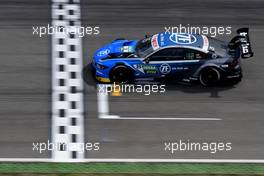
column 210, row 76
column 121, row 74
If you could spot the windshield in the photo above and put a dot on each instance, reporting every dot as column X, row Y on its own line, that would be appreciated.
column 144, row 47
column 219, row 47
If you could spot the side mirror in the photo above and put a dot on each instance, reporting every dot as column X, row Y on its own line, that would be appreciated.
column 146, row 60
column 213, row 55
column 211, row 49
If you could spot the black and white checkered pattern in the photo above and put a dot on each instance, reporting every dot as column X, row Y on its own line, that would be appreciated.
column 67, row 86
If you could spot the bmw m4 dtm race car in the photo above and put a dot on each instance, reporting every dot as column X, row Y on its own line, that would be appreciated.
column 181, row 57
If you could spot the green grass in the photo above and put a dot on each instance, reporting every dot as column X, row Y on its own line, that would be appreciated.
column 143, row 168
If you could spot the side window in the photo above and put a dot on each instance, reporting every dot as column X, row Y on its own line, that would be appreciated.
column 194, row 55
column 161, row 55
column 178, row 54
column 168, row 54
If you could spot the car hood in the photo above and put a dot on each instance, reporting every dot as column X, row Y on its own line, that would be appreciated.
column 116, row 49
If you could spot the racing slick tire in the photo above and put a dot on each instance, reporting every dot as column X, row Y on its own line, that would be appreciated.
column 210, row 76
column 121, row 74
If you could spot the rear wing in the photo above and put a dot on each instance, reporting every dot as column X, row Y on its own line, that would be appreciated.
column 242, row 41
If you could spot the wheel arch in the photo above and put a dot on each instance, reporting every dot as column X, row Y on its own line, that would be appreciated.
column 124, row 64
column 198, row 72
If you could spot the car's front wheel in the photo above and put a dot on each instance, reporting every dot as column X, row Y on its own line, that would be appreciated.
column 210, row 76
column 121, row 74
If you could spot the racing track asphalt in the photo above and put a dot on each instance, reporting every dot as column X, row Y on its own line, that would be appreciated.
column 24, row 78
column 25, row 82
column 240, row 107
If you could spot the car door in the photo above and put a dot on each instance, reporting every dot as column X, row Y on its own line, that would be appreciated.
column 193, row 59
column 167, row 61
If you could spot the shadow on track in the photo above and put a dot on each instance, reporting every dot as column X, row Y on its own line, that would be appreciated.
column 194, row 88
column 87, row 75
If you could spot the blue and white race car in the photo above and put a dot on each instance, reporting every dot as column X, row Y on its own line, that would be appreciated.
column 173, row 56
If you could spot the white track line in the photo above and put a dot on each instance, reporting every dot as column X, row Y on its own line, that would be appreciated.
column 114, row 160
column 102, row 103
column 67, row 85
column 103, row 110
column 113, row 117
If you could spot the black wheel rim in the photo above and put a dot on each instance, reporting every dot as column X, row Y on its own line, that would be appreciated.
column 121, row 75
column 210, row 77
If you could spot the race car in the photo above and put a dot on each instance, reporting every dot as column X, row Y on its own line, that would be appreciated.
column 173, row 56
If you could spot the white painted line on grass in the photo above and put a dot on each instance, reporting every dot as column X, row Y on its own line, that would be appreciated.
column 131, row 160
column 67, row 85
column 177, row 160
